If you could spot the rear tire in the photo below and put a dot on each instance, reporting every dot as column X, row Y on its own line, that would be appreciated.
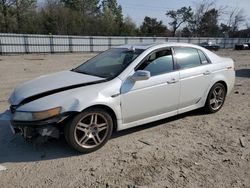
column 89, row 130
column 216, row 98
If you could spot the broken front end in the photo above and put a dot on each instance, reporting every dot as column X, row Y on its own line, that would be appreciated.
column 32, row 125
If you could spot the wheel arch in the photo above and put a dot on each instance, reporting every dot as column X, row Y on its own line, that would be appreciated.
column 207, row 106
column 219, row 81
column 210, row 87
column 110, row 111
column 223, row 83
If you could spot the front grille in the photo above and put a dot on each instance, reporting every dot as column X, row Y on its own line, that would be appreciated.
column 13, row 108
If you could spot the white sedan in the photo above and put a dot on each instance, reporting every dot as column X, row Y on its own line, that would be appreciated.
column 120, row 88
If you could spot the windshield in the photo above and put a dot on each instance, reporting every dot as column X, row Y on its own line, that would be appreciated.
column 110, row 63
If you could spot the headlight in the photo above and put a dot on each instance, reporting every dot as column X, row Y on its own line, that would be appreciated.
column 36, row 116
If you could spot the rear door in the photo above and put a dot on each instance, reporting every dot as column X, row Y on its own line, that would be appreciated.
column 195, row 75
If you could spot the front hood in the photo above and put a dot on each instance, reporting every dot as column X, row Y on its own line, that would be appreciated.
column 50, row 84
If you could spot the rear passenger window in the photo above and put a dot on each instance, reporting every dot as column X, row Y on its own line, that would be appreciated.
column 204, row 59
column 187, row 57
column 158, row 63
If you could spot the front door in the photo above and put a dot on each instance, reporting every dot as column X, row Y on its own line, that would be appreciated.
column 157, row 95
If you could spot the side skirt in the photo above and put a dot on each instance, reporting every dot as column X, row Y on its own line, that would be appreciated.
column 121, row 126
column 146, row 120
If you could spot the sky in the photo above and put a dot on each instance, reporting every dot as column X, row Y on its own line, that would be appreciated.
column 138, row 9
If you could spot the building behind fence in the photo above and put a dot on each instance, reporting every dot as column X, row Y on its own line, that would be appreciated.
column 25, row 43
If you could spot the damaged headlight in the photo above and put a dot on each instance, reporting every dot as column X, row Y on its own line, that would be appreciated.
column 36, row 116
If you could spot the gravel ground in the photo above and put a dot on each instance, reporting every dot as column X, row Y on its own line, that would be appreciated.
column 191, row 150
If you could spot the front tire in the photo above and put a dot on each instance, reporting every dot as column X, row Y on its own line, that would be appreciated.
column 89, row 130
column 216, row 98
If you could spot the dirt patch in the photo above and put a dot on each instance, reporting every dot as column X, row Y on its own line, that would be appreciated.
column 190, row 150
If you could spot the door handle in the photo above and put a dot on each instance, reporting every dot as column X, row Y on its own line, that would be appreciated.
column 207, row 72
column 172, row 81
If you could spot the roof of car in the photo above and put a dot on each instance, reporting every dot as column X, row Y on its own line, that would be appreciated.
column 155, row 44
column 212, row 56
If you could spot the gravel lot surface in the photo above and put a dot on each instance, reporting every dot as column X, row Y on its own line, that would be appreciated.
column 190, row 150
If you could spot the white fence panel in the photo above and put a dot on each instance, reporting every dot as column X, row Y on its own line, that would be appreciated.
column 117, row 41
column 173, row 39
column 39, row 44
column 79, row 44
column 24, row 43
column 186, row 40
column 101, row 41
column 134, row 40
column 100, row 48
column 148, row 40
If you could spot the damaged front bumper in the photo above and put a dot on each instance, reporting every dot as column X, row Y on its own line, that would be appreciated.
column 29, row 130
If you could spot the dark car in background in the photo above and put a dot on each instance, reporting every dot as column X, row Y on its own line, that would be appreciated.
column 210, row 46
column 244, row 46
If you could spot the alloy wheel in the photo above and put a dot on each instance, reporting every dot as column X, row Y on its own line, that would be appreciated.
column 217, row 98
column 91, row 130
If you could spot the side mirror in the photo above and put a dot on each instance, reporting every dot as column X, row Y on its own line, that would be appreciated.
column 140, row 75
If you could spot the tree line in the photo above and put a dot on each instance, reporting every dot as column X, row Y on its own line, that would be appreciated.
column 105, row 18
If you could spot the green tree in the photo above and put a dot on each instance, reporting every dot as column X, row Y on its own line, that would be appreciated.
column 25, row 13
column 86, row 7
column 112, row 18
column 186, row 32
column 129, row 27
column 179, row 17
column 201, row 8
column 236, row 18
column 58, row 19
column 89, row 13
column 7, row 20
column 209, row 24
column 18, row 16
column 116, row 9
column 225, row 29
column 152, row 27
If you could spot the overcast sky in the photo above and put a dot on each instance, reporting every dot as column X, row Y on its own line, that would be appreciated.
column 138, row 9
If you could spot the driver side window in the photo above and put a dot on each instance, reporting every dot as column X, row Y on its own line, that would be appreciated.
column 159, row 62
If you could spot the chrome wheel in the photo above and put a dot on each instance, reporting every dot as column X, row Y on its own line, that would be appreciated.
column 217, row 98
column 91, row 130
